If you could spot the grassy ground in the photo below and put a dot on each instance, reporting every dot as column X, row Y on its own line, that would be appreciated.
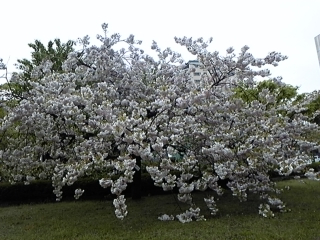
column 96, row 220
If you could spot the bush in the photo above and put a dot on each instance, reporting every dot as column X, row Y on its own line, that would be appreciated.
column 41, row 191
column 315, row 166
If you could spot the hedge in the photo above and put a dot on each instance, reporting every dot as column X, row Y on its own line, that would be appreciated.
column 41, row 191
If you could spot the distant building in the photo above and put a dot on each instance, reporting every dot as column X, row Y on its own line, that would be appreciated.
column 198, row 72
column 196, row 75
column 317, row 40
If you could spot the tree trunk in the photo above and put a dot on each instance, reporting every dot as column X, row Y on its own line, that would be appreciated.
column 136, row 185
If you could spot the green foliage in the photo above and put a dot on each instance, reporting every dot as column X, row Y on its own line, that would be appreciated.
column 40, row 53
column 56, row 52
column 315, row 166
column 282, row 91
column 2, row 112
column 313, row 107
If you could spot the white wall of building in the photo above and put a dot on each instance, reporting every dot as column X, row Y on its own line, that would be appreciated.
column 317, row 40
column 198, row 72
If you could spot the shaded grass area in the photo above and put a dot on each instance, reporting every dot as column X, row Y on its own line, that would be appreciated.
column 235, row 220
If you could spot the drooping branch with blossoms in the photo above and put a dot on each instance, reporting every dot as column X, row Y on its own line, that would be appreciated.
column 110, row 108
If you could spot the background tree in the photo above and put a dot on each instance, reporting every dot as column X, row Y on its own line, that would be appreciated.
column 313, row 108
column 18, row 86
column 2, row 65
column 283, row 92
column 55, row 53
column 3, row 75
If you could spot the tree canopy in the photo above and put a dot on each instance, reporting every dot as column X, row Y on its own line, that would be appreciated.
column 111, row 109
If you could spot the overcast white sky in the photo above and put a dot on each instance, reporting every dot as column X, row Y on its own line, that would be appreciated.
column 286, row 26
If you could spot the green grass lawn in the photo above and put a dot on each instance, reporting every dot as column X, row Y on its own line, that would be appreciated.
column 235, row 220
